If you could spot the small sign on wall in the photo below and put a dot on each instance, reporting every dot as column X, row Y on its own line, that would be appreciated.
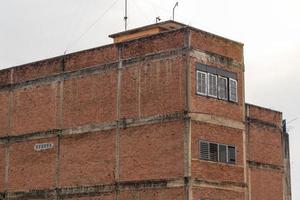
column 43, row 146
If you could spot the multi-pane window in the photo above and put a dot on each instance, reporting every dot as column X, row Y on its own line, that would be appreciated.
column 212, row 85
column 201, row 83
column 222, row 85
column 232, row 90
column 217, row 152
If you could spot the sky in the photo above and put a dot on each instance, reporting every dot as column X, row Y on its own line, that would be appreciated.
column 32, row 30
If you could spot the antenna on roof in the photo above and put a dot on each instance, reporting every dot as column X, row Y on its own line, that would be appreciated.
column 157, row 19
column 176, row 4
column 125, row 17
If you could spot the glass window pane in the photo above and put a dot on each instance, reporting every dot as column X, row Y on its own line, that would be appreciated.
column 201, row 83
column 213, row 152
column 222, row 153
column 231, row 154
column 232, row 90
column 222, row 88
column 212, row 85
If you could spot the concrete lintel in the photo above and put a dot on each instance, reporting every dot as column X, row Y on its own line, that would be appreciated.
column 215, row 58
column 259, row 165
column 124, row 123
column 224, row 185
column 95, row 190
column 217, row 120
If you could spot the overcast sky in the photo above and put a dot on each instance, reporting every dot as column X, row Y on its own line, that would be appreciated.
column 32, row 30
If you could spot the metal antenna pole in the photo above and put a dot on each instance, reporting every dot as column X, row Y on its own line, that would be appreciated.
column 125, row 17
column 174, row 10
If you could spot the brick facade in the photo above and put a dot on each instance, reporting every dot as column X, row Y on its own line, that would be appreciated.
column 124, row 121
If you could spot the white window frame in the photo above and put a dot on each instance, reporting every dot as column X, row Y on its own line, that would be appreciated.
column 230, row 99
column 235, row 156
column 226, row 84
column 206, row 81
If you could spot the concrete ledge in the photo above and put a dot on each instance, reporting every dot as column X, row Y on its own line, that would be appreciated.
column 123, row 123
column 259, row 165
column 94, row 190
column 213, row 119
column 225, row 185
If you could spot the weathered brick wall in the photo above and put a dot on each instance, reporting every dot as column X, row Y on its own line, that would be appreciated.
column 79, row 110
column 87, row 159
column 266, row 184
column 152, row 152
column 212, row 171
column 265, row 144
column 215, row 193
column 213, row 106
column 207, row 42
column 116, row 116
column 30, row 169
column 265, row 153
column 153, row 194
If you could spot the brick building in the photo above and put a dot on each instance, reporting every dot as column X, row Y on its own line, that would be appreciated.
column 159, row 114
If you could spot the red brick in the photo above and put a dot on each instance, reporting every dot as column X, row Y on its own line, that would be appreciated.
column 162, row 85
column 266, row 184
column 90, row 99
column 209, row 105
column 36, row 70
column 265, row 144
column 152, row 44
column 214, row 193
column 87, row 159
column 265, row 114
column 4, row 112
column 208, row 42
column 5, row 76
column 106, row 196
column 34, row 109
column 30, row 169
column 91, row 57
column 2, row 167
column 150, row 151
column 153, row 194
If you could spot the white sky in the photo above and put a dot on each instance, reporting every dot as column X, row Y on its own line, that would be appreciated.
column 31, row 30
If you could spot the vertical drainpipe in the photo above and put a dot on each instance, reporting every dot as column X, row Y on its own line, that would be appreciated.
column 187, row 120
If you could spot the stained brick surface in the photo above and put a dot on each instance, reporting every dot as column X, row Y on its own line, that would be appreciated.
column 107, row 196
column 265, row 144
column 4, row 111
column 145, row 152
column 207, row 42
column 92, row 57
column 153, row 194
column 2, row 167
column 209, row 105
column 87, row 159
column 264, row 114
column 211, row 193
column 34, row 108
column 152, row 44
column 90, row 99
column 266, row 185
column 150, row 86
column 30, row 169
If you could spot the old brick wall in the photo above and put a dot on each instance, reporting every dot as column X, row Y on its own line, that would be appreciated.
column 125, row 122
column 265, row 153
column 114, row 115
